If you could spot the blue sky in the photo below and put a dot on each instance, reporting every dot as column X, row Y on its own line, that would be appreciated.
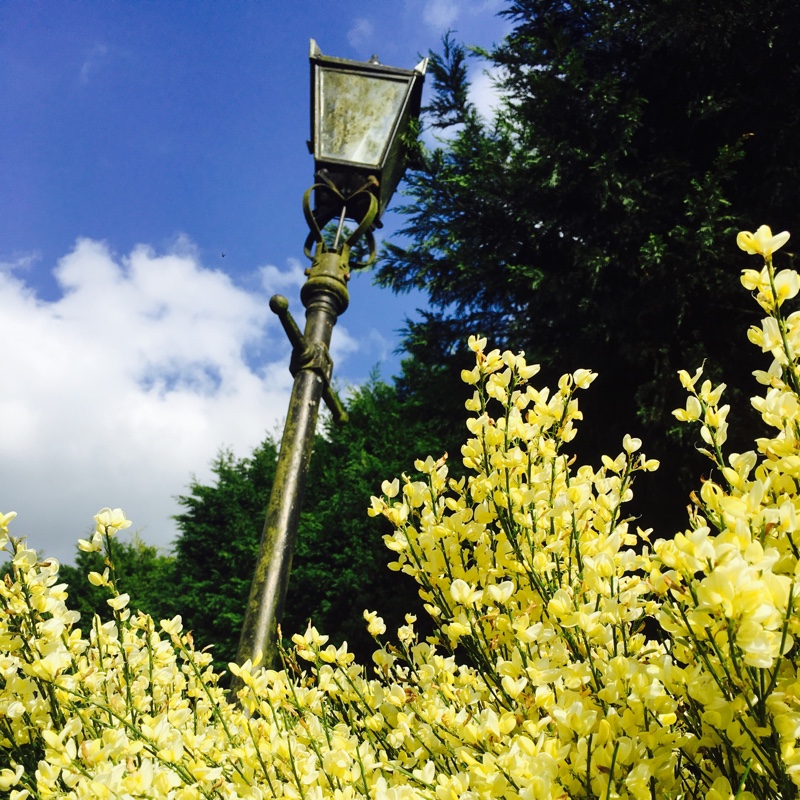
column 139, row 141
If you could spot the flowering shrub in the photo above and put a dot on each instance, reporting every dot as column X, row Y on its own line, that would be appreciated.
column 542, row 679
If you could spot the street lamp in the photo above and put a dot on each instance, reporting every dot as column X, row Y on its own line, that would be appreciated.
column 361, row 116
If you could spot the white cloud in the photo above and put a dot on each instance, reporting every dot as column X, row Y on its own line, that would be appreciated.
column 93, row 59
column 276, row 281
column 19, row 262
column 483, row 94
column 483, row 90
column 379, row 344
column 472, row 18
column 343, row 344
column 361, row 33
column 119, row 391
column 441, row 14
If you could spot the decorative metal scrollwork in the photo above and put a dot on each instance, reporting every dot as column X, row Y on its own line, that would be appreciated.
column 336, row 204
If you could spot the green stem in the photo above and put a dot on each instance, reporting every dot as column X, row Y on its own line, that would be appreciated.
column 611, row 771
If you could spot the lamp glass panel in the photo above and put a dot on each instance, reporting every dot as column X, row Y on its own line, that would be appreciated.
column 358, row 114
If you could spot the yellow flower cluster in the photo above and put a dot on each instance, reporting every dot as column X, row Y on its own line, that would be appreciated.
column 531, row 569
column 728, row 586
column 129, row 711
column 547, row 675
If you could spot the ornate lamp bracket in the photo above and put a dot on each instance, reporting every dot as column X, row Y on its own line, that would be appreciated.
column 328, row 275
column 331, row 203
column 309, row 355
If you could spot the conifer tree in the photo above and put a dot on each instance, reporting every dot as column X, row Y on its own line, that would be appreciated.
column 590, row 221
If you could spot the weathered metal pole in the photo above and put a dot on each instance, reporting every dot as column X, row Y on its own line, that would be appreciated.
column 360, row 115
column 325, row 296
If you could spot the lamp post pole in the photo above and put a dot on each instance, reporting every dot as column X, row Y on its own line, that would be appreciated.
column 360, row 113
column 325, row 297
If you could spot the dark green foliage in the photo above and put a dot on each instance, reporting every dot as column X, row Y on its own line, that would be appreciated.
column 339, row 562
column 592, row 223
column 339, row 567
column 141, row 570
column 220, row 530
